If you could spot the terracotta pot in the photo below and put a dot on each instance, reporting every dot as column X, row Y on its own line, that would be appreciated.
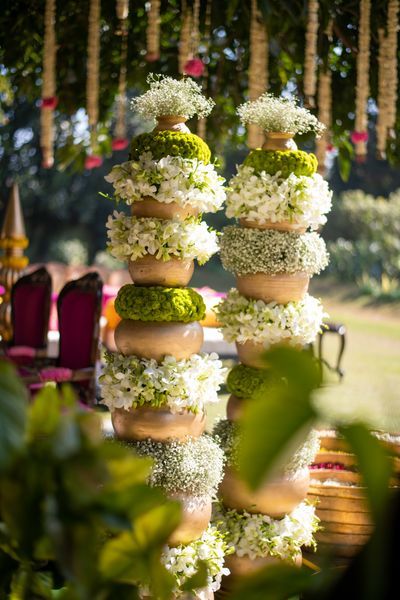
column 243, row 565
column 148, row 270
column 251, row 354
column 353, row 517
column 341, row 504
column 347, row 539
column 344, row 477
column 348, row 528
column 148, row 207
column 330, row 441
column 282, row 288
column 234, row 407
column 156, row 340
column 276, row 140
column 275, row 497
column 331, row 456
column 172, row 123
column 281, row 226
column 195, row 520
column 156, row 423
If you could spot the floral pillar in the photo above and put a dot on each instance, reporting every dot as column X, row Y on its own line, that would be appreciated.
column 158, row 383
column 277, row 196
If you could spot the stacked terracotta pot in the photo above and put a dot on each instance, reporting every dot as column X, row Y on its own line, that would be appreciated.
column 156, row 340
column 279, row 495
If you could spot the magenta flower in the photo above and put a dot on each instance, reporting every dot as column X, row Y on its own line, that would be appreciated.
column 194, row 67
column 93, row 161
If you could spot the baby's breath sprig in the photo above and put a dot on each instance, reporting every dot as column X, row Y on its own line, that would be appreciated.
column 169, row 96
column 281, row 115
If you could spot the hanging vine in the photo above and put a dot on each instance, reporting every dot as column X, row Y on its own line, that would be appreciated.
column 323, row 143
column 120, row 141
column 360, row 135
column 49, row 100
column 92, row 81
column 185, row 37
column 153, row 31
column 258, row 68
column 310, row 61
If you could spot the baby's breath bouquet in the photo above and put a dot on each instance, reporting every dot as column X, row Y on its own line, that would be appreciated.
column 168, row 96
column 280, row 115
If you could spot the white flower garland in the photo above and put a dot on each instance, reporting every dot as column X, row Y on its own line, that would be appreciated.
column 186, row 181
column 262, row 197
column 259, row 535
column 244, row 319
column 131, row 238
column 130, row 381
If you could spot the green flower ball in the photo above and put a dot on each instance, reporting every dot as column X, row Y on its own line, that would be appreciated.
column 244, row 381
column 159, row 304
column 272, row 161
column 170, row 143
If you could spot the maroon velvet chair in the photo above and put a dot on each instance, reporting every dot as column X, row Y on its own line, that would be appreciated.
column 79, row 309
column 30, row 310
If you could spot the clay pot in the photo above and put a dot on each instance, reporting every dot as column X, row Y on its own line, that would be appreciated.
column 149, row 270
column 195, row 520
column 243, row 565
column 148, row 207
column 282, row 288
column 276, row 140
column 172, row 123
column 159, row 424
column 281, row 226
column 332, row 442
column 251, row 354
column 156, row 340
column 234, row 407
column 276, row 497
column 331, row 456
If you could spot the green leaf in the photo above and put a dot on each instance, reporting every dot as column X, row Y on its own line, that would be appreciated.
column 198, row 580
column 275, row 582
column 44, row 414
column 13, row 404
column 274, row 420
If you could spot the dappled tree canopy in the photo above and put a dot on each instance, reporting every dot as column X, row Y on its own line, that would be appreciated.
column 55, row 197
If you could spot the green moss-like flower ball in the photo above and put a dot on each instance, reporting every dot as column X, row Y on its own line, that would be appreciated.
column 244, row 381
column 170, row 143
column 159, row 304
column 272, row 161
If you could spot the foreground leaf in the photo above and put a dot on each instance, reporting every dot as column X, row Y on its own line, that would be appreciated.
column 13, row 404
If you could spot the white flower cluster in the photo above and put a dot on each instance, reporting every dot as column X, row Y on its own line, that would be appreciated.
column 244, row 319
column 258, row 535
column 262, row 197
column 182, row 561
column 130, row 381
column 186, row 181
column 169, row 96
column 282, row 115
column 131, row 238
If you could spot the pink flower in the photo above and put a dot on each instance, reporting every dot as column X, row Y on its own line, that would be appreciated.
column 25, row 351
column 93, row 161
column 194, row 67
column 57, row 374
column 359, row 136
column 152, row 56
column 49, row 102
column 119, row 143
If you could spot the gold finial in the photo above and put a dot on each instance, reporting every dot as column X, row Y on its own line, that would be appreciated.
column 13, row 224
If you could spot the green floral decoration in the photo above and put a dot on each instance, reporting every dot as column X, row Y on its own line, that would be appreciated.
column 294, row 161
column 156, row 303
column 170, row 143
column 244, row 381
column 245, row 250
column 193, row 467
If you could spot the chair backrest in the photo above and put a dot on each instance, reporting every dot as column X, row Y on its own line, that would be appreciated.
column 30, row 309
column 79, row 308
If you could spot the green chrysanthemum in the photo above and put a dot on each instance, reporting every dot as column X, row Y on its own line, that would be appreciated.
column 170, row 143
column 244, row 381
column 271, row 161
column 156, row 303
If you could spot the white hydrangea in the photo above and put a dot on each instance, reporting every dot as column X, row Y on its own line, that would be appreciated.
column 130, row 381
column 258, row 535
column 262, row 197
column 182, row 561
column 244, row 319
column 186, row 181
column 130, row 238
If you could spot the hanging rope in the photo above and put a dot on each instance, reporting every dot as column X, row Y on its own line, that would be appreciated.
column 324, row 109
column 360, row 135
column 153, row 31
column 49, row 100
column 92, row 81
column 387, row 79
column 120, row 141
column 258, row 68
column 202, row 123
column 185, row 38
column 310, row 61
